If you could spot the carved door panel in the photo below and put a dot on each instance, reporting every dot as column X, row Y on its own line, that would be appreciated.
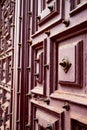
column 46, row 120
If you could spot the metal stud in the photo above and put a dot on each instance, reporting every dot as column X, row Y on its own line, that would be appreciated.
column 46, row 66
column 28, row 68
column 20, row 45
column 20, row 17
column 66, row 22
column 19, row 68
column 38, row 17
column 50, row 8
column 37, row 60
column 28, row 125
column 36, row 120
column 66, row 106
column 49, row 127
column 36, row 74
column 18, row 121
column 18, row 92
column 12, row 25
column 47, row 101
column 29, row 42
column 47, row 32
column 30, row 13
column 12, row 68
column 29, row 95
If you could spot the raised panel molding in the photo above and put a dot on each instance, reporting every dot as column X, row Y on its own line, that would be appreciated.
column 47, row 116
column 52, row 13
column 74, row 76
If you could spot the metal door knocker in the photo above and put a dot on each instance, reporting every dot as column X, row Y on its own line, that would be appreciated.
column 65, row 64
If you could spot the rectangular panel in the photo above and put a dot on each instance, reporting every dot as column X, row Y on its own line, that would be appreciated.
column 67, row 52
column 37, row 68
column 71, row 64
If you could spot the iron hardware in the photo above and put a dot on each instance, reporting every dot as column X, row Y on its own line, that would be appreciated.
column 50, row 8
column 20, row 45
column 28, row 68
column 46, row 65
column 47, row 32
column 20, row 17
column 12, row 68
column 66, row 22
column 38, row 17
column 30, row 13
column 65, row 64
column 18, row 92
column 28, row 125
column 37, row 60
column 18, row 121
column 36, row 74
column 29, row 42
column 36, row 120
column 12, row 49
column 12, row 25
column 47, row 101
column 29, row 95
column 49, row 127
column 66, row 106
column 19, row 68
